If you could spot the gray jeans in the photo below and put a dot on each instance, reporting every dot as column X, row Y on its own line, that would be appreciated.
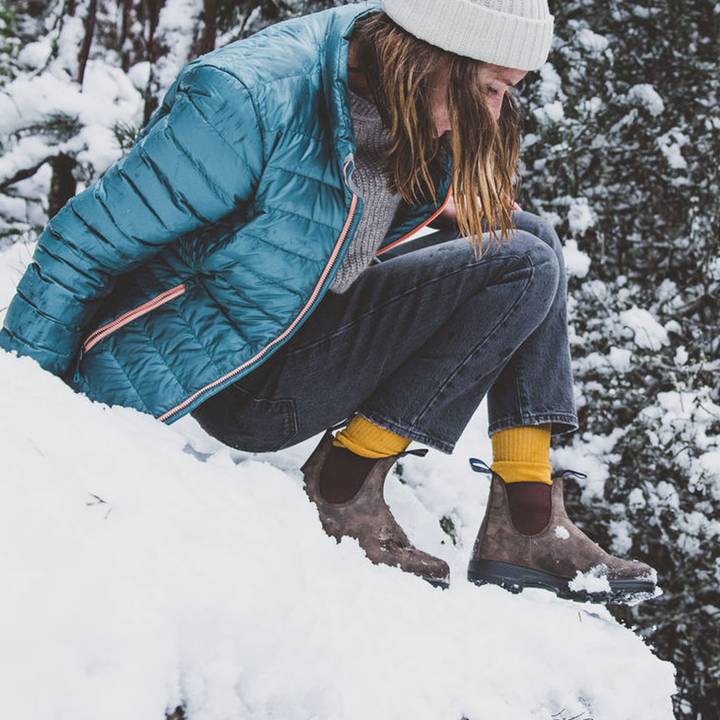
column 415, row 344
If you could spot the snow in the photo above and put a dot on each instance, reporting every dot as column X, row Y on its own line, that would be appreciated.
column 644, row 12
column 561, row 532
column 590, row 454
column 35, row 54
column 709, row 465
column 550, row 84
column 593, row 581
column 649, row 333
column 108, row 97
column 681, row 355
column 646, row 95
column 12, row 208
column 69, row 40
column 621, row 532
column 714, row 269
column 671, row 145
column 678, row 406
column 550, row 112
column 665, row 496
column 592, row 106
column 581, row 216
column 145, row 564
column 617, row 360
column 176, row 26
column 636, row 499
column 139, row 75
column 591, row 41
column 620, row 359
column 576, row 261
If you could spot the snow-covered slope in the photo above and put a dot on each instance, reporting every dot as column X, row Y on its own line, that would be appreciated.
column 145, row 565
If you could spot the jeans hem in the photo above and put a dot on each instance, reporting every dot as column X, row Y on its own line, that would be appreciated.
column 562, row 423
column 409, row 432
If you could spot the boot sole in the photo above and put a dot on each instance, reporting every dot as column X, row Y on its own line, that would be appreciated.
column 444, row 584
column 516, row 578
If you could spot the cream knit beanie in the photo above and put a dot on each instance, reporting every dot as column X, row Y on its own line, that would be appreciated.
column 511, row 33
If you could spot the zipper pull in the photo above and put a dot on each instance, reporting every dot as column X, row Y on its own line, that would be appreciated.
column 76, row 369
column 350, row 183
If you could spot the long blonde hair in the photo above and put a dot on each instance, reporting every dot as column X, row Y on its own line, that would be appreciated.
column 399, row 70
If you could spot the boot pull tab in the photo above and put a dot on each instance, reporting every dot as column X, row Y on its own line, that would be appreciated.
column 569, row 473
column 480, row 466
column 418, row 451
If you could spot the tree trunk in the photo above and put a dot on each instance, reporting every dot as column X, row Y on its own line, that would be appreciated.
column 87, row 41
column 153, row 52
column 125, row 32
column 63, row 185
column 209, row 33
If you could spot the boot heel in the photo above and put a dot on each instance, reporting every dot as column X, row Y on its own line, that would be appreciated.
column 489, row 572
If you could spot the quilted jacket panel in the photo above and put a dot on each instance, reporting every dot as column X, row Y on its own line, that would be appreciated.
column 204, row 249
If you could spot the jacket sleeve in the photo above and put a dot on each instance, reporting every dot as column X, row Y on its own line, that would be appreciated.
column 199, row 157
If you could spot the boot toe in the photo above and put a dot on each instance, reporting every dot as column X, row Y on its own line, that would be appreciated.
column 417, row 562
column 432, row 568
column 631, row 570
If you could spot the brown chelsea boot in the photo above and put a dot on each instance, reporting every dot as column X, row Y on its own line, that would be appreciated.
column 549, row 552
column 366, row 516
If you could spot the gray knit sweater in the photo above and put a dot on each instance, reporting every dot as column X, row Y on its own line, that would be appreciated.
column 379, row 204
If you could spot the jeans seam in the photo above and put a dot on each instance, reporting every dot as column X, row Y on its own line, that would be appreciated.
column 408, row 432
column 394, row 298
column 532, row 419
column 518, row 389
column 429, row 404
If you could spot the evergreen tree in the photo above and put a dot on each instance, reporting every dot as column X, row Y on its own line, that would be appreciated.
column 620, row 152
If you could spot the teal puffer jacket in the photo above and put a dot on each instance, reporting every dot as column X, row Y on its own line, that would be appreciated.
column 204, row 249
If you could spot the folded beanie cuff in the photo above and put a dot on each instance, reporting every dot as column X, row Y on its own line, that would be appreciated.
column 473, row 29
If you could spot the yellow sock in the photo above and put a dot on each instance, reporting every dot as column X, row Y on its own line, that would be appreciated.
column 522, row 454
column 365, row 438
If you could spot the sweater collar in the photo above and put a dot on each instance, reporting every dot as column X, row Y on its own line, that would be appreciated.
column 335, row 85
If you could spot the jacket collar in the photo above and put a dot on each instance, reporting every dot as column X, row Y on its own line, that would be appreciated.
column 335, row 73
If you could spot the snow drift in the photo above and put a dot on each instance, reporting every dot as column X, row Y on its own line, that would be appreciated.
column 145, row 566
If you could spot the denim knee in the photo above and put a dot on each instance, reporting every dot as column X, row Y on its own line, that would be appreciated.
column 541, row 255
column 540, row 227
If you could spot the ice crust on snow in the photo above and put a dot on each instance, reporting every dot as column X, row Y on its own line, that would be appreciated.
column 145, row 565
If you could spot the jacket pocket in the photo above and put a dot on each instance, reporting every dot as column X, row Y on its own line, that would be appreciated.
column 109, row 328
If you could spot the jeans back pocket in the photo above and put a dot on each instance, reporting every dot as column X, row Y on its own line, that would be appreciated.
column 247, row 422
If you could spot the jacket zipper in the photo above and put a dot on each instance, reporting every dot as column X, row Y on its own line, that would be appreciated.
column 104, row 330
column 328, row 268
column 299, row 316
